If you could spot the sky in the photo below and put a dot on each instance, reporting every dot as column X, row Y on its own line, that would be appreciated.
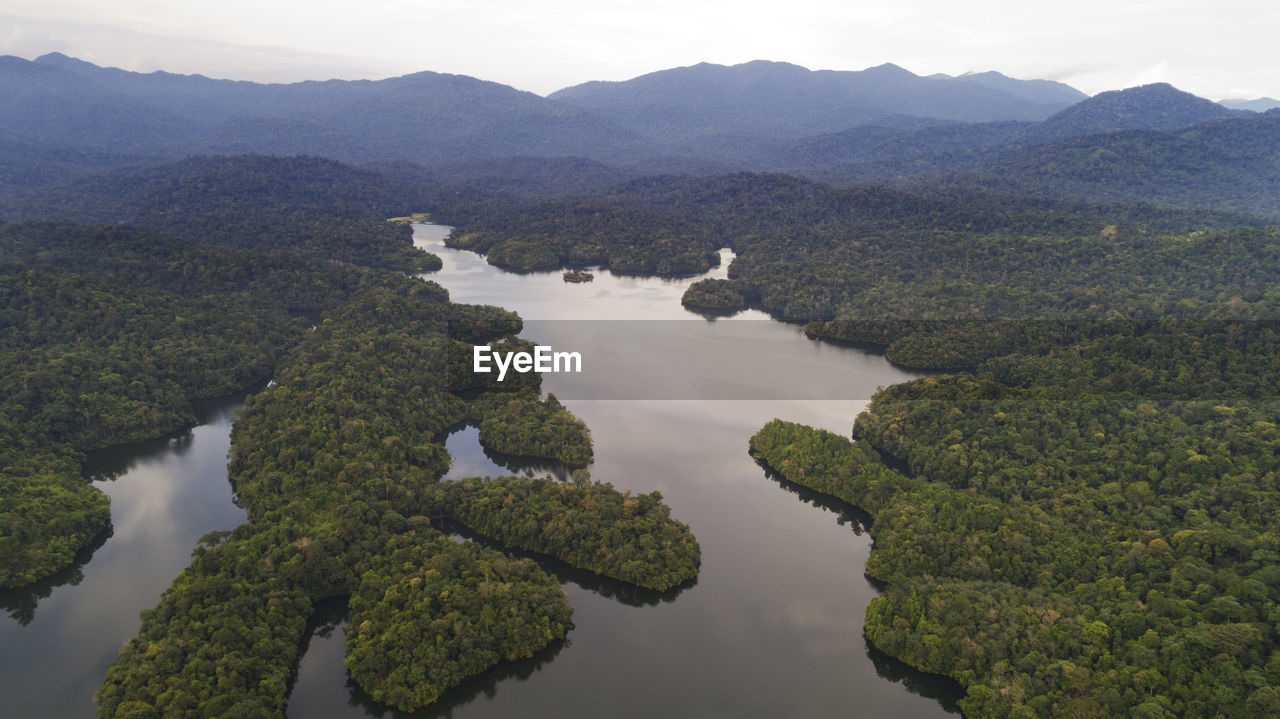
column 1219, row 49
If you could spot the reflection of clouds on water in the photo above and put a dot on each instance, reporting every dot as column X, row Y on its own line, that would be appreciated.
column 468, row 458
column 165, row 494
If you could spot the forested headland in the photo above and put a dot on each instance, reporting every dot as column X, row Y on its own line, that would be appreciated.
column 1083, row 522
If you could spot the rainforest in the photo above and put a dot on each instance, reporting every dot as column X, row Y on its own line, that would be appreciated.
column 1044, row 479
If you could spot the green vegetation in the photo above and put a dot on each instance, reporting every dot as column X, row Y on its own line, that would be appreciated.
column 554, row 234
column 411, row 218
column 587, row 524
column 1084, row 525
column 1078, row 557
column 521, row 424
column 109, row 334
column 715, row 295
column 1223, row 165
column 310, row 205
column 807, row 251
column 438, row 611
column 578, row 276
column 338, row 465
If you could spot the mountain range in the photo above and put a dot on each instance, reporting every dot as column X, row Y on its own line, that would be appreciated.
column 66, row 118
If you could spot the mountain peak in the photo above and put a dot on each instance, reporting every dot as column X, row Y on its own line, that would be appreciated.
column 57, row 59
column 1158, row 106
column 889, row 69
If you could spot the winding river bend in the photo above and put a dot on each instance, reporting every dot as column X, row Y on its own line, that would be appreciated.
column 772, row 627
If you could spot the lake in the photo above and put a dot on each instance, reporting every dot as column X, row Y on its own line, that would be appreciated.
column 772, row 626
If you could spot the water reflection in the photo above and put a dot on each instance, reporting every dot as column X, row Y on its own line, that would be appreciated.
column 468, row 458
column 607, row 587
column 323, row 689
column 846, row 514
column 773, row 626
column 938, row 688
column 21, row 603
column 59, row 635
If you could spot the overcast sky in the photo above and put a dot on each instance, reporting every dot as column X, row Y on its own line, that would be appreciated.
column 1223, row 48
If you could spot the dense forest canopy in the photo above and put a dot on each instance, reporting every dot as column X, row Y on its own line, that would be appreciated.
column 110, row 332
column 307, row 204
column 108, row 335
column 1079, row 522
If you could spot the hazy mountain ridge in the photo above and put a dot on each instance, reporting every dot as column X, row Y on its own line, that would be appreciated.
column 1153, row 144
column 705, row 112
column 68, row 118
column 424, row 117
column 733, row 108
column 1261, row 104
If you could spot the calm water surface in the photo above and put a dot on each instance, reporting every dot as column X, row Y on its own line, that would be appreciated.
column 772, row 627
column 58, row 637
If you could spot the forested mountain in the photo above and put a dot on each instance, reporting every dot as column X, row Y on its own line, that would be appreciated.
column 29, row 164
column 1159, row 106
column 892, row 151
column 1040, row 92
column 657, row 121
column 886, row 151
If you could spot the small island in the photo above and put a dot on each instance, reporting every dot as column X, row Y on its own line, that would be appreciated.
column 578, row 276
column 715, row 296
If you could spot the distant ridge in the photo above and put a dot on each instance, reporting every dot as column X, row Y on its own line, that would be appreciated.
column 1262, row 104
column 423, row 117
column 728, row 108
column 1042, row 92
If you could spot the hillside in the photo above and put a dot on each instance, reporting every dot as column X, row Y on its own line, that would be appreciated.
column 1231, row 165
column 1159, row 106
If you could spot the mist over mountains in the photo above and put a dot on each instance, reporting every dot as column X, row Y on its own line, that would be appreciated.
column 67, row 118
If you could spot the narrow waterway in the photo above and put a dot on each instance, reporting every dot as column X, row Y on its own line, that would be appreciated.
column 57, row 637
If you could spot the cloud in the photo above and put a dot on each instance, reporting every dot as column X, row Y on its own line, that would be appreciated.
column 144, row 52
column 1158, row 72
